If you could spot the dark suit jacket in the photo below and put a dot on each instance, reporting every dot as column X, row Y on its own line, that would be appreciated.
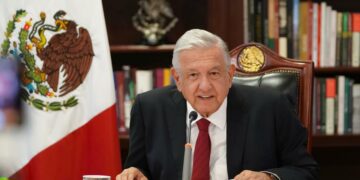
column 263, row 134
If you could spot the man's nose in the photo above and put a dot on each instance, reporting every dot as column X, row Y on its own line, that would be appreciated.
column 205, row 83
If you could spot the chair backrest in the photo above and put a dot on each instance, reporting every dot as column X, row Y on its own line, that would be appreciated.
column 256, row 65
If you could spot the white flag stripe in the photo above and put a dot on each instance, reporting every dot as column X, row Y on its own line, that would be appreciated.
column 95, row 94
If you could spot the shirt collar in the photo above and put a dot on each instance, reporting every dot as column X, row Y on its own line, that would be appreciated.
column 218, row 118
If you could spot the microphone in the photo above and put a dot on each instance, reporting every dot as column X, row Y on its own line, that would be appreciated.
column 186, row 174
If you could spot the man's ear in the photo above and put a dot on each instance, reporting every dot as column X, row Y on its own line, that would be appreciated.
column 176, row 77
column 232, row 70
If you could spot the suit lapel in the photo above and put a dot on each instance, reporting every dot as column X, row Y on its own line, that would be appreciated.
column 237, row 121
column 177, row 129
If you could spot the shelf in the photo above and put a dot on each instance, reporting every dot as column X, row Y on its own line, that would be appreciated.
column 141, row 56
column 141, row 48
column 337, row 71
column 336, row 141
column 345, row 5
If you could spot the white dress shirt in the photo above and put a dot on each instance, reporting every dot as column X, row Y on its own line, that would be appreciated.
column 217, row 133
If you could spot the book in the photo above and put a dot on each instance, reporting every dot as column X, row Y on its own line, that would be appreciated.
column 323, row 37
column 339, row 40
column 356, row 108
column 314, row 106
column 303, row 30
column 340, row 104
column 144, row 81
column 320, row 106
column 355, row 62
column 158, row 77
column 283, row 31
column 319, row 35
column 330, row 105
column 309, row 31
column 315, row 16
column 265, row 23
column 355, row 56
column 323, row 105
column 271, row 25
column 259, row 28
column 332, row 39
column 251, row 20
column 290, row 33
column 120, row 96
column 326, row 40
column 295, row 29
column 246, row 21
column 129, row 90
column 349, row 36
column 348, row 106
column 167, row 76
column 344, row 39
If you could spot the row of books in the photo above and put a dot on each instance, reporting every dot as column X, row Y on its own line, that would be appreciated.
column 304, row 30
column 131, row 81
column 336, row 106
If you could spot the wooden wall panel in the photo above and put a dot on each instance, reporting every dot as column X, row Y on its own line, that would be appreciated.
column 118, row 14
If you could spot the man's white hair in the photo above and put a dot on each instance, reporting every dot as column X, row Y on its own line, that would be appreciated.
column 198, row 38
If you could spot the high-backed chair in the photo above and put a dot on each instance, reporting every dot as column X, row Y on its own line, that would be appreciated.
column 257, row 65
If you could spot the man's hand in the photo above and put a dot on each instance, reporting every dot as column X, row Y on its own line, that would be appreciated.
column 247, row 174
column 131, row 174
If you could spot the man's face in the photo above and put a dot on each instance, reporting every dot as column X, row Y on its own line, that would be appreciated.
column 203, row 78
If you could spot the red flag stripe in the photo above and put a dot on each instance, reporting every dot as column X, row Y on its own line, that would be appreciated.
column 91, row 149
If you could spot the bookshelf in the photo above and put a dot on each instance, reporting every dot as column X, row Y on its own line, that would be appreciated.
column 140, row 56
column 326, row 141
column 167, row 48
column 328, row 71
column 337, row 154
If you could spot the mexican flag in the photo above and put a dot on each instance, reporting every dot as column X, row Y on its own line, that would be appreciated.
column 67, row 90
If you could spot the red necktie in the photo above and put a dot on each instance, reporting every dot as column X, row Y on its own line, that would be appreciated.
column 201, row 169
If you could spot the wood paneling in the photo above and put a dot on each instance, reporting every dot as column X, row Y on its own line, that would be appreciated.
column 118, row 15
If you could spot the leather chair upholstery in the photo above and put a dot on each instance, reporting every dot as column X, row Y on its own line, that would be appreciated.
column 256, row 65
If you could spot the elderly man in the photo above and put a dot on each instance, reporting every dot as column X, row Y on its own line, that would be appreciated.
column 241, row 132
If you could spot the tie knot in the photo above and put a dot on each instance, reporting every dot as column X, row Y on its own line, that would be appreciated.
column 203, row 124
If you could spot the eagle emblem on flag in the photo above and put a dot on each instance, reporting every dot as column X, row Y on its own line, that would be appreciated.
column 54, row 54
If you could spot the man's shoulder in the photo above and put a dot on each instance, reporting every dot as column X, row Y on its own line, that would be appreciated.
column 160, row 97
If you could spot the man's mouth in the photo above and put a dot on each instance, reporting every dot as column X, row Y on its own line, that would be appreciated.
column 205, row 97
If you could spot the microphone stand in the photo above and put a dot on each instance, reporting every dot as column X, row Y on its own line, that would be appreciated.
column 186, row 174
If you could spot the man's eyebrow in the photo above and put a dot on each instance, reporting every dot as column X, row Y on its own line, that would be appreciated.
column 218, row 67
column 192, row 70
